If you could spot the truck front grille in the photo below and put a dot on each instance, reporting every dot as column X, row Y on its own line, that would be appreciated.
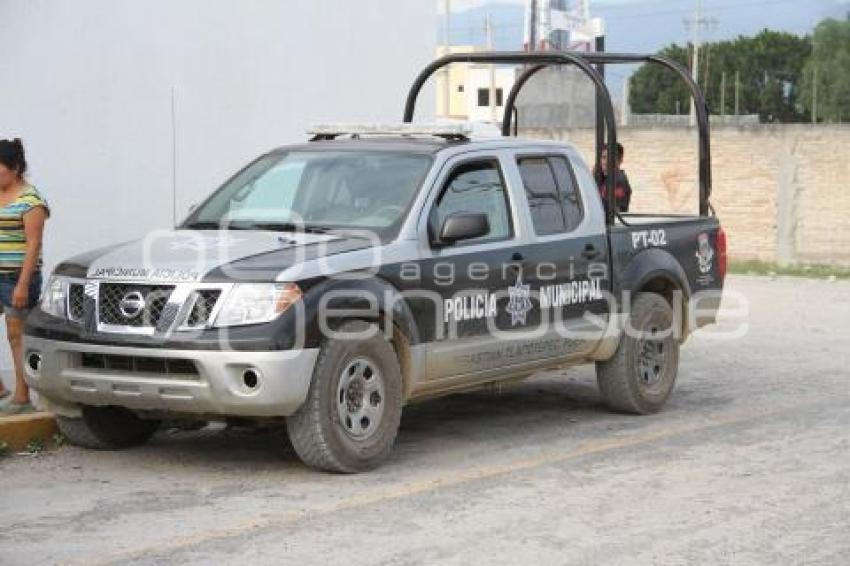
column 129, row 304
column 202, row 309
column 138, row 364
column 76, row 299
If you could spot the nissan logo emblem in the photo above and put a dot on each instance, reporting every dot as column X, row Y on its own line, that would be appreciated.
column 132, row 304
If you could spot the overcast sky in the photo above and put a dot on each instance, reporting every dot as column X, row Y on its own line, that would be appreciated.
column 636, row 24
column 648, row 25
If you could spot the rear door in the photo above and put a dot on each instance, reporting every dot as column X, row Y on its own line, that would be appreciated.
column 566, row 259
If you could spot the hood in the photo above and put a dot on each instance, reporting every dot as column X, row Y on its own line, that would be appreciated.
column 203, row 255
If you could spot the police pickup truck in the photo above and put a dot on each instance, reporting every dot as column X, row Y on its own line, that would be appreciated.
column 328, row 284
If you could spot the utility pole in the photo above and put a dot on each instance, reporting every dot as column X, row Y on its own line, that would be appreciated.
column 737, row 93
column 626, row 109
column 815, row 54
column 695, row 24
column 173, row 158
column 545, row 23
column 488, row 34
column 532, row 23
column 815, row 95
column 447, row 47
column 723, row 93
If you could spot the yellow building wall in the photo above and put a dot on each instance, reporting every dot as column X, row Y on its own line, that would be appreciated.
column 457, row 75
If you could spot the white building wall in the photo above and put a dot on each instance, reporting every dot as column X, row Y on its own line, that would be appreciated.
column 87, row 84
column 478, row 77
column 88, row 87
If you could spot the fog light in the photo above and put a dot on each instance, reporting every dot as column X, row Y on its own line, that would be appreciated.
column 251, row 378
column 34, row 361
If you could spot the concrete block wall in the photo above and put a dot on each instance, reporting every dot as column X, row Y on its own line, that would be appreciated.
column 781, row 191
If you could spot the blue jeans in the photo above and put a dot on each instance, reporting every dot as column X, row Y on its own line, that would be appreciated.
column 8, row 281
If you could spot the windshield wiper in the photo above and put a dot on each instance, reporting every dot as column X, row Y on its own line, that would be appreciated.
column 292, row 227
column 210, row 225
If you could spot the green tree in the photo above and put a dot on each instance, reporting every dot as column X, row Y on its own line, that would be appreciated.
column 770, row 70
column 653, row 89
column 829, row 67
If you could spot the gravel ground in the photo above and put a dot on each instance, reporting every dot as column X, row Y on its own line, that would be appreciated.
column 748, row 464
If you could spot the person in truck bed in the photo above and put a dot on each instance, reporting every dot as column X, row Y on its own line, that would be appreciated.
column 622, row 188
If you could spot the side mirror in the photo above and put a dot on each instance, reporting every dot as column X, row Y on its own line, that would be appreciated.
column 462, row 226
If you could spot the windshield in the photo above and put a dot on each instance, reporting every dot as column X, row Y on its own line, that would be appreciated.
column 317, row 190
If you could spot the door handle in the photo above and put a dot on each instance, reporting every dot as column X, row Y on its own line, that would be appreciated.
column 589, row 252
column 517, row 262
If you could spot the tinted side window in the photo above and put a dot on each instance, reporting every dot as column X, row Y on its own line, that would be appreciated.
column 542, row 192
column 475, row 187
column 570, row 196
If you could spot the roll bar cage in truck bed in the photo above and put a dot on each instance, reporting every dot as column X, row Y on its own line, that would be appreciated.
column 606, row 132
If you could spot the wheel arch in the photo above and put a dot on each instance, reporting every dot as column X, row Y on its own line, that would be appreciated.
column 657, row 271
column 389, row 310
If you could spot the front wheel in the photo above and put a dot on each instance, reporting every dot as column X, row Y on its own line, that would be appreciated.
column 107, row 428
column 353, row 409
column 641, row 374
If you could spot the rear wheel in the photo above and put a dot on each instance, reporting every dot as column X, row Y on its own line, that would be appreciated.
column 351, row 416
column 107, row 428
column 641, row 374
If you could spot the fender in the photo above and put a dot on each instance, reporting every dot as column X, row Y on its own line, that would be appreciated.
column 651, row 264
column 654, row 264
column 370, row 298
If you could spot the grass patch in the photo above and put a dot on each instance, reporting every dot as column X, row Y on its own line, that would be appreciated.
column 34, row 446
column 769, row 268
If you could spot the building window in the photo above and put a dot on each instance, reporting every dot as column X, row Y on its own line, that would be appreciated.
column 484, row 97
column 460, row 88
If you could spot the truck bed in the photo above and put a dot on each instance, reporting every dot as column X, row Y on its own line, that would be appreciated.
column 655, row 246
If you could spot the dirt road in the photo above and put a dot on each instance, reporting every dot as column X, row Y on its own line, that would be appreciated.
column 748, row 464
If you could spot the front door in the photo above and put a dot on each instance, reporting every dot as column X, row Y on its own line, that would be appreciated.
column 471, row 277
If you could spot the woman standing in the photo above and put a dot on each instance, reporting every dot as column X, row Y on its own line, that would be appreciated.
column 22, row 215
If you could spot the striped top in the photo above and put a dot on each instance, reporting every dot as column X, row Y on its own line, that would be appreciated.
column 12, row 237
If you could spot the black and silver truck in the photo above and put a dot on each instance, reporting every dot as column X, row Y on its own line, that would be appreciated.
column 327, row 284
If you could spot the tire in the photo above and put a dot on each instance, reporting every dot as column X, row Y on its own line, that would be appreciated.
column 351, row 416
column 107, row 428
column 640, row 376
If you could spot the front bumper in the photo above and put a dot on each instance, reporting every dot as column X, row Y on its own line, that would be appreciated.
column 140, row 379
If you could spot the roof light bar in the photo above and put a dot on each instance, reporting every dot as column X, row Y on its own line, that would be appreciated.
column 329, row 131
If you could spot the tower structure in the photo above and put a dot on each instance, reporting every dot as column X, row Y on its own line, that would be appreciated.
column 560, row 25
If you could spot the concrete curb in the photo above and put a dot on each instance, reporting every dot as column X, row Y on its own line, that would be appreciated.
column 18, row 431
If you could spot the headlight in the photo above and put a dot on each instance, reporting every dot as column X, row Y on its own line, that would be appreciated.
column 55, row 298
column 253, row 303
